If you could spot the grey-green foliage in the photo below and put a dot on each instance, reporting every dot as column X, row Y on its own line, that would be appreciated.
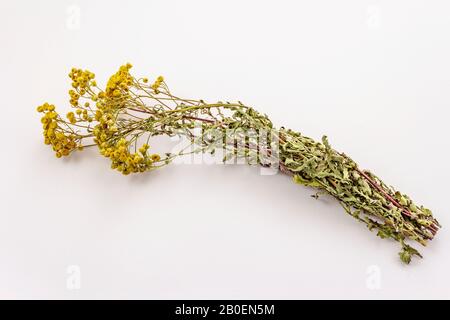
column 363, row 195
column 311, row 163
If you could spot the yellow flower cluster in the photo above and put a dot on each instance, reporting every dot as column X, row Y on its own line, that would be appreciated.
column 63, row 144
column 60, row 133
column 125, row 161
column 108, row 132
column 157, row 84
column 80, row 115
column 74, row 98
column 105, row 130
column 82, row 80
column 115, row 147
column 119, row 82
column 71, row 117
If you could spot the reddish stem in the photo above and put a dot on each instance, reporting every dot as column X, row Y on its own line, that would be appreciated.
column 406, row 212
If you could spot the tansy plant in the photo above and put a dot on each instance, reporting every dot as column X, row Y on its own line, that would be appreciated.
column 121, row 119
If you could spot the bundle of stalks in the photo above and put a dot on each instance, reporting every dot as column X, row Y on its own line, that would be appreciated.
column 122, row 118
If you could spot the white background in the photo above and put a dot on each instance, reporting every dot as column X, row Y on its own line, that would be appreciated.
column 372, row 75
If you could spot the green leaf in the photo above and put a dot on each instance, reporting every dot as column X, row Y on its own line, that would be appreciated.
column 345, row 174
column 403, row 201
column 407, row 253
column 325, row 142
column 310, row 183
column 290, row 161
column 383, row 234
column 405, row 256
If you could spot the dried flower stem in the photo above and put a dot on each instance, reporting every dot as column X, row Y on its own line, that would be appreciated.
column 130, row 111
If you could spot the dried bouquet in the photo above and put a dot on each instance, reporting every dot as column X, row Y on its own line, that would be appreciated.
column 121, row 119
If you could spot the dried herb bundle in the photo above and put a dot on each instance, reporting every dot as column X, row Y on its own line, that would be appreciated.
column 121, row 119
